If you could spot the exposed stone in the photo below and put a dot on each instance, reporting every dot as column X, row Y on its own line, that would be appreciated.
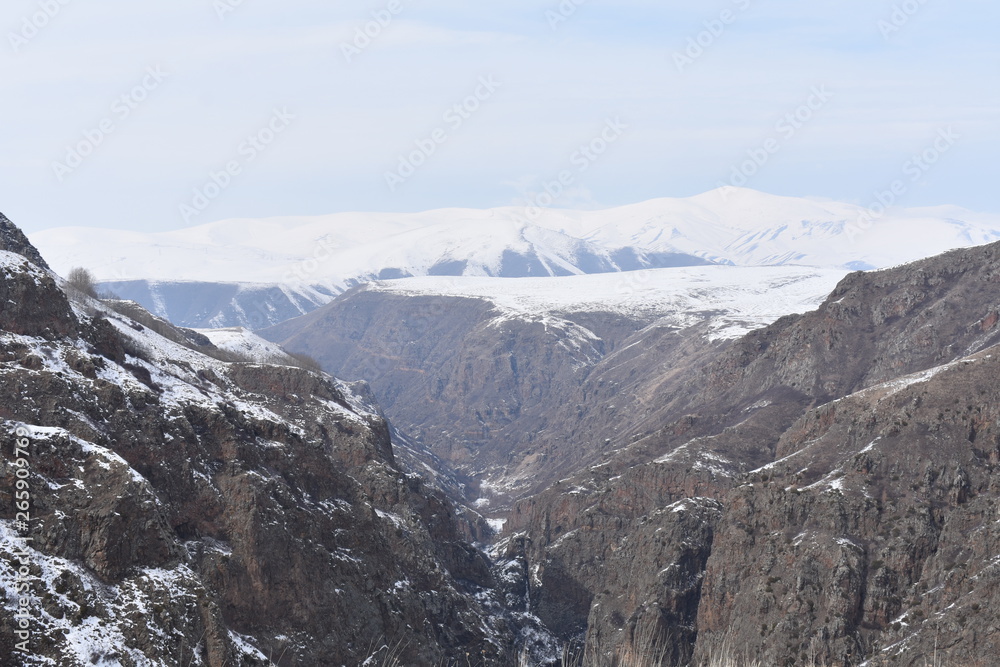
column 190, row 510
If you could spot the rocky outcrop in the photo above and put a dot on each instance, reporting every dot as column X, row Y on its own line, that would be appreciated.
column 729, row 415
column 32, row 305
column 874, row 536
column 183, row 509
column 519, row 383
column 13, row 240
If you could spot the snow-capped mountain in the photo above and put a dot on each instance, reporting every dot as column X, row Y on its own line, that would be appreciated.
column 341, row 250
column 728, row 225
column 257, row 272
column 745, row 227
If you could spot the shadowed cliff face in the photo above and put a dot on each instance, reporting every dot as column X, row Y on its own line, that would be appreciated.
column 485, row 393
column 186, row 510
column 747, row 558
column 875, row 535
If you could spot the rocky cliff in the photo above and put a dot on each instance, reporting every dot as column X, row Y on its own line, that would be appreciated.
column 452, row 374
column 820, row 490
column 644, row 443
column 518, row 383
column 163, row 504
column 12, row 239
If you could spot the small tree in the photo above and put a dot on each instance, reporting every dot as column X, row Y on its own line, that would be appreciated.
column 82, row 280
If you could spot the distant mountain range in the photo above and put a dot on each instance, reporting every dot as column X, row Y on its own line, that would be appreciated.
column 255, row 273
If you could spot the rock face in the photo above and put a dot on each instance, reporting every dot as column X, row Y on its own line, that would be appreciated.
column 788, row 558
column 875, row 535
column 471, row 386
column 641, row 445
column 515, row 390
column 182, row 509
column 13, row 240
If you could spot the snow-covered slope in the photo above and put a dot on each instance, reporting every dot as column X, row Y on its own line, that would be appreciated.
column 221, row 304
column 746, row 227
column 733, row 300
column 255, row 273
column 337, row 251
column 247, row 345
column 728, row 225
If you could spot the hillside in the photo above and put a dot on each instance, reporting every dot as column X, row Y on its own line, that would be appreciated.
column 495, row 375
column 186, row 507
column 821, row 488
column 682, row 460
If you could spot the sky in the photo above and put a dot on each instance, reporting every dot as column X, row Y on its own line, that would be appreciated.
column 166, row 114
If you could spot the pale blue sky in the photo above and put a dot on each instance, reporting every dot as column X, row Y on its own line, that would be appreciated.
column 884, row 96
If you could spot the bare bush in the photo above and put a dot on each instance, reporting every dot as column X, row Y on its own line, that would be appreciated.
column 83, row 281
